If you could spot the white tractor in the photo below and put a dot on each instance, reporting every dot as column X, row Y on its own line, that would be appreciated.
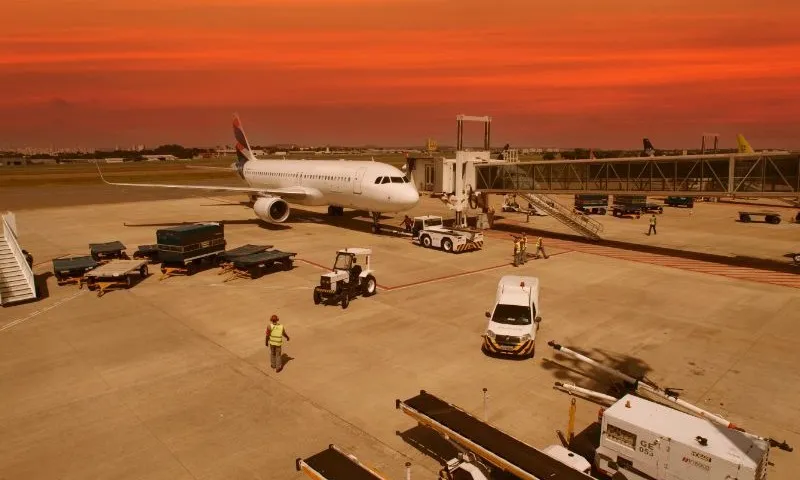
column 351, row 276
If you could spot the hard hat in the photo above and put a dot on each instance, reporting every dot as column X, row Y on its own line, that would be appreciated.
column 273, row 318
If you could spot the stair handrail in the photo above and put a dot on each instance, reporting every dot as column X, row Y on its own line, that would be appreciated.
column 9, row 232
column 585, row 222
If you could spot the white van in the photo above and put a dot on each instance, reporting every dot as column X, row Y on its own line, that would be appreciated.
column 514, row 320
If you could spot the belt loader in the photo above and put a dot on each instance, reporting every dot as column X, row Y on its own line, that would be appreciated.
column 644, row 440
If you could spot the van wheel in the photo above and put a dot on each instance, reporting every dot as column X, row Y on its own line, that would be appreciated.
column 425, row 241
column 447, row 245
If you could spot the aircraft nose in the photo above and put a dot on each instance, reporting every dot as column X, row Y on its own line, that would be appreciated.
column 410, row 196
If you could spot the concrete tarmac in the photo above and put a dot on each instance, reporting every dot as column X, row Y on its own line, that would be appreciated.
column 171, row 378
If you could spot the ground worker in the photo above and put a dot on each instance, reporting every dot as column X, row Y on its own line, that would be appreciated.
column 517, row 249
column 523, row 254
column 652, row 225
column 540, row 248
column 408, row 223
column 274, row 340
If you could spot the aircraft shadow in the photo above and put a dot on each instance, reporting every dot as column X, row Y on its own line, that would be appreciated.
column 249, row 221
column 736, row 261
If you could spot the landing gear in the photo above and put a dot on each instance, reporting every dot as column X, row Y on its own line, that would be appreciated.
column 376, row 227
column 335, row 211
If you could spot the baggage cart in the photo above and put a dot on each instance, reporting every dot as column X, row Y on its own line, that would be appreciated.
column 114, row 275
column 70, row 269
column 150, row 252
column 103, row 252
column 256, row 264
column 769, row 217
column 181, row 249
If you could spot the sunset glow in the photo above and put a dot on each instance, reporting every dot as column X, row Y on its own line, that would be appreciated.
column 579, row 73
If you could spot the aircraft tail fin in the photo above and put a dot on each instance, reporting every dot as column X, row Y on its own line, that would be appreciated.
column 243, row 152
column 649, row 151
column 744, row 145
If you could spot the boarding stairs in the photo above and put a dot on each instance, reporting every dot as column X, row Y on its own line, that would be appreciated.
column 16, row 278
column 578, row 221
column 795, row 202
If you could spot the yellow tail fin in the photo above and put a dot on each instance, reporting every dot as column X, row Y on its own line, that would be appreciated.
column 744, row 147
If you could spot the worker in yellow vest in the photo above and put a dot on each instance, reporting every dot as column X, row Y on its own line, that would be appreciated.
column 517, row 249
column 523, row 254
column 652, row 226
column 540, row 248
column 274, row 340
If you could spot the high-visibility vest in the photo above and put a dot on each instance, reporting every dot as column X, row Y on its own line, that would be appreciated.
column 539, row 242
column 516, row 246
column 276, row 336
column 653, row 221
column 524, row 243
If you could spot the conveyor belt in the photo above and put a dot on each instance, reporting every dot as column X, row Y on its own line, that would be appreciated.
column 494, row 446
column 333, row 464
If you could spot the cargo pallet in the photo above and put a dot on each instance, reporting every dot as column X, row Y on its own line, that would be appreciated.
column 487, row 442
column 254, row 265
column 334, row 464
column 150, row 252
column 115, row 274
column 103, row 252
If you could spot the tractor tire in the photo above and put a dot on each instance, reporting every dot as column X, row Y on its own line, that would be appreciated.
column 447, row 245
column 370, row 286
column 425, row 241
column 345, row 301
column 796, row 258
column 317, row 297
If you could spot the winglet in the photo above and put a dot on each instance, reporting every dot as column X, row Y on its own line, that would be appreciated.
column 743, row 144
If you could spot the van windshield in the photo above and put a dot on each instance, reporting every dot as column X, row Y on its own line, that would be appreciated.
column 512, row 315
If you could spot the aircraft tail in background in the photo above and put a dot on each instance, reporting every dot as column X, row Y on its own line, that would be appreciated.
column 743, row 145
column 649, row 151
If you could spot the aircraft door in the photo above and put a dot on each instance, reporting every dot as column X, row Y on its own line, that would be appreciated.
column 359, row 178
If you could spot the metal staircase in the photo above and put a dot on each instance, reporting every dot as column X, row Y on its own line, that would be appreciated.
column 16, row 278
column 572, row 218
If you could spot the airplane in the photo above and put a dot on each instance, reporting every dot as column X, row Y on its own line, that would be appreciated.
column 274, row 184
column 649, row 151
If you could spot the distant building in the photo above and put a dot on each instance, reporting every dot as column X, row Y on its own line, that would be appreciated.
column 14, row 161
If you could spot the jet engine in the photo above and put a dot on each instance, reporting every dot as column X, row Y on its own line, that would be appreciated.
column 271, row 209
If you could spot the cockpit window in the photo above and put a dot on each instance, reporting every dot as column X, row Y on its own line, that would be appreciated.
column 385, row 180
column 397, row 179
column 378, row 180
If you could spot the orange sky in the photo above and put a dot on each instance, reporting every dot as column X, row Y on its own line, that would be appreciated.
column 393, row 72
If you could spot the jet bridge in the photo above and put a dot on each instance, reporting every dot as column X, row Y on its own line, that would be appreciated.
column 494, row 446
column 334, row 464
column 761, row 174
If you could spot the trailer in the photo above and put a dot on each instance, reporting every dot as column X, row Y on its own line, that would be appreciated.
column 103, row 252
column 628, row 205
column 591, row 204
column 334, row 464
column 769, row 217
column 653, row 208
column 181, row 249
column 71, row 269
column 256, row 264
column 114, row 275
column 429, row 232
column 497, row 448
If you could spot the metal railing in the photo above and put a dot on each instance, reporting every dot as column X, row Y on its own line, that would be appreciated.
column 10, row 236
column 578, row 221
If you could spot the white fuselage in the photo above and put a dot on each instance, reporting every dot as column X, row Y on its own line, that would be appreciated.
column 340, row 183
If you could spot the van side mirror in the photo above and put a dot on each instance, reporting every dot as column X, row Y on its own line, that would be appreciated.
column 537, row 319
column 488, row 314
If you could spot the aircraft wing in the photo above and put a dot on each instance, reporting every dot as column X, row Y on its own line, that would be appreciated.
column 295, row 193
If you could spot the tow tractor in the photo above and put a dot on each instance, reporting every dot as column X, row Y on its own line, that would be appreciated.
column 429, row 232
column 351, row 276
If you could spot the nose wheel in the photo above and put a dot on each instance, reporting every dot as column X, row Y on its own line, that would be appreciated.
column 376, row 227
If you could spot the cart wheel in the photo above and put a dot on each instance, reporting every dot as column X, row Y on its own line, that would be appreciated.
column 190, row 269
column 143, row 271
column 255, row 272
column 744, row 218
column 128, row 281
column 602, row 211
column 287, row 265
column 345, row 301
column 317, row 297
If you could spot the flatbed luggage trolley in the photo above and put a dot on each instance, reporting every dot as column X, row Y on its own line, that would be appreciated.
column 71, row 269
column 254, row 265
column 114, row 275
column 487, row 442
column 103, row 252
column 181, row 249
column 334, row 464
column 769, row 217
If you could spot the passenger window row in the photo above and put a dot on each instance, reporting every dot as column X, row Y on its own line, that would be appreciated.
column 317, row 177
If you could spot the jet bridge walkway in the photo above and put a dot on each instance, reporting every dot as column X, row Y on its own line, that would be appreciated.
column 761, row 174
column 334, row 464
column 494, row 446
